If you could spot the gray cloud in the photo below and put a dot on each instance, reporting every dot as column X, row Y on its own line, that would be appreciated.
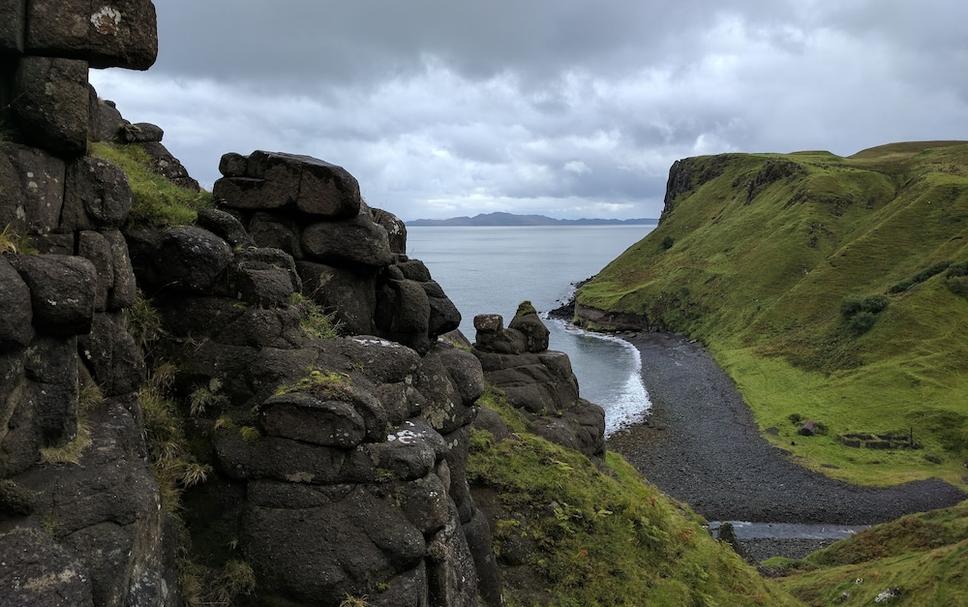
column 565, row 107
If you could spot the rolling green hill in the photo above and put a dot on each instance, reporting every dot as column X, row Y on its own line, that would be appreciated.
column 830, row 288
column 920, row 559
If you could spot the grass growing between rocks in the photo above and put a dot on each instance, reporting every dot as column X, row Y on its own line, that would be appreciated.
column 580, row 534
column 14, row 243
column 172, row 461
column 832, row 289
column 314, row 321
column 157, row 201
column 922, row 559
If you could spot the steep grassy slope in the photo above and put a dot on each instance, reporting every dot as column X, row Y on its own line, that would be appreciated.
column 572, row 534
column 768, row 260
column 922, row 559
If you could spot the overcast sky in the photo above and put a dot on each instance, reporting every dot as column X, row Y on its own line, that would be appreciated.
column 563, row 107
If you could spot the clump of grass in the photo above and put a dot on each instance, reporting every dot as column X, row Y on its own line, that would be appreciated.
column 207, row 397
column 203, row 586
column 250, row 434
column 157, row 201
column 328, row 385
column 143, row 321
column 71, row 452
column 172, row 462
column 668, row 242
column 14, row 243
column 354, row 601
column 314, row 321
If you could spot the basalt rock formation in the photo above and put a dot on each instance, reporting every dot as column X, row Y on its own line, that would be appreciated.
column 352, row 258
column 539, row 382
column 80, row 522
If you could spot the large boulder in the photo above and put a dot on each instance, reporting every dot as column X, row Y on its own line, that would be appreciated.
column 95, row 248
column 97, row 195
column 396, row 229
column 51, row 367
column 106, row 120
column 189, row 259
column 142, row 132
column 51, row 103
column 165, row 164
column 35, row 571
column 112, row 356
column 106, row 33
column 62, row 292
column 270, row 180
column 33, row 189
column 12, row 27
column 357, row 241
column 16, row 313
column 527, row 321
column 350, row 295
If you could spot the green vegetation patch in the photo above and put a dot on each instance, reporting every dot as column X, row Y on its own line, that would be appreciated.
column 157, row 201
column 921, row 559
column 837, row 291
column 588, row 534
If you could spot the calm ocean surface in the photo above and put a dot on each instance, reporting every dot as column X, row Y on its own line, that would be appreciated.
column 491, row 270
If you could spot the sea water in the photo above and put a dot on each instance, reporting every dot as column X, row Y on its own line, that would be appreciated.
column 490, row 270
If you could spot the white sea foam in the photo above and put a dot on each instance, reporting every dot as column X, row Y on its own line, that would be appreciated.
column 631, row 403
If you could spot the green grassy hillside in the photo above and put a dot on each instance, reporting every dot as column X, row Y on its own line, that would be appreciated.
column 829, row 288
column 922, row 559
column 570, row 533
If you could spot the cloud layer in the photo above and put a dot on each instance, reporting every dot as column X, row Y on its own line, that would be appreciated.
column 564, row 107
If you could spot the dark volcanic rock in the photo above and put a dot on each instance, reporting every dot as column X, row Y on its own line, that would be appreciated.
column 106, row 120
column 112, row 356
column 62, row 291
column 396, row 230
column 108, row 33
column 37, row 572
column 351, row 295
column 96, row 249
column 357, row 241
column 33, row 189
column 142, row 132
column 227, row 226
column 16, row 314
column 12, row 27
column 529, row 323
column 301, row 416
column 51, row 103
column 190, row 259
column 169, row 167
column 51, row 367
column 270, row 230
column 97, row 195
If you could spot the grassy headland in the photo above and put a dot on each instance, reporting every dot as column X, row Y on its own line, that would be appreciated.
column 829, row 288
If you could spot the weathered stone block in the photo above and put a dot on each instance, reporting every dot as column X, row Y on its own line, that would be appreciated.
column 62, row 292
column 356, row 241
column 227, row 226
column 12, row 26
column 97, row 195
column 96, row 249
column 37, row 572
column 31, row 189
column 16, row 315
column 351, row 295
column 112, row 356
column 51, row 367
column 107, row 33
column 51, row 104
column 303, row 417
column 276, row 231
column 125, row 287
column 396, row 229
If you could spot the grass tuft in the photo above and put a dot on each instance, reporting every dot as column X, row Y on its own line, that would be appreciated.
column 143, row 322
column 314, row 321
column 71, row 452
column 11, row 242
column 157, row 201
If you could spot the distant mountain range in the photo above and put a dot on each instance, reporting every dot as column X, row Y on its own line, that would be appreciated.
column 510, row 219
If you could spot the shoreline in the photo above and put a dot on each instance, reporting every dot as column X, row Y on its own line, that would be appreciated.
column 701, row 445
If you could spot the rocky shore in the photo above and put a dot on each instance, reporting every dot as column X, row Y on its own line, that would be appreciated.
column 701, row 445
